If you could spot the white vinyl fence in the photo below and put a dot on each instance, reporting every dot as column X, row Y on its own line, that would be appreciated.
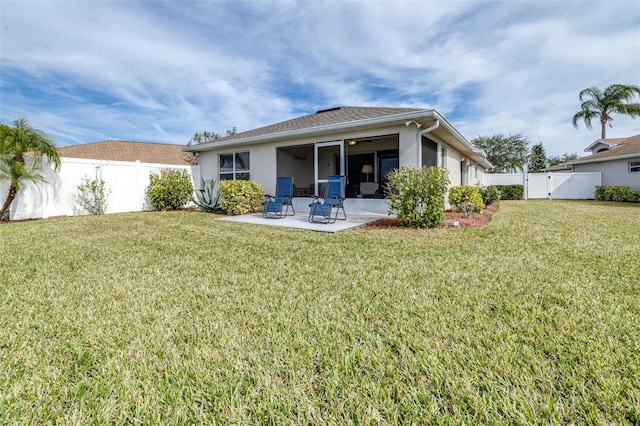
column 558, row 186
column 126, row 180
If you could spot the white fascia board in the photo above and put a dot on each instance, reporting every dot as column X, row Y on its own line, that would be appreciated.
column 596, row 142
column 318, row 130
column 600, row 160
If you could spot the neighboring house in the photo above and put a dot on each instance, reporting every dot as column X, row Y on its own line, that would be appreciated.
column 617, row 160
column 363, row 143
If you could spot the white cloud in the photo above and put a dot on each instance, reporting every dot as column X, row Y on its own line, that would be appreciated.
column 85, row 71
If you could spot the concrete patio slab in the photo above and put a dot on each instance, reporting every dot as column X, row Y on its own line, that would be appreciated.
column 301, row 221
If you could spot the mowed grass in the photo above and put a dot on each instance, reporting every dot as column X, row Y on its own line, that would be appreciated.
column 175, row 318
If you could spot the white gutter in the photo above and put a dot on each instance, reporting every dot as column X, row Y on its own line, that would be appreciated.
column 419, row 139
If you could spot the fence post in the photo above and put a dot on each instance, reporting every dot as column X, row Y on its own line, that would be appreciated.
column 137, row 187
column 525, row 184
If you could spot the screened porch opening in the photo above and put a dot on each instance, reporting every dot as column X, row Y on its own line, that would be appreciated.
column 297, row 162
column 366, row 165
column 368, row 162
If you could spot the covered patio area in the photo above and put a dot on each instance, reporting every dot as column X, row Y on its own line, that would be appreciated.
column 359, row 212
column 301, row 221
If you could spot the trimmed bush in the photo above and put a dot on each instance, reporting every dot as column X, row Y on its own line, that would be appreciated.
column 511, row 192
column 417, row 196
column 170, row 189
column 466, row 198
column 614, row 193
column 636, row 196
column 490, row 194
column 240, row 196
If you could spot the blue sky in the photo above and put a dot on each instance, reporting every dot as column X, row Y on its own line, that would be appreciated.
column 158, row 71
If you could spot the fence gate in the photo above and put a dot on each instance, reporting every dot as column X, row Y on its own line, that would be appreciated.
column 537, row 185
column 559, row 186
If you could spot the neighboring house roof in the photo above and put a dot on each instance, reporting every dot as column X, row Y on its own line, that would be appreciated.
column 621, row 148
column 345, row 118
column 145, row 152
column 606, row 143
column 558, row 168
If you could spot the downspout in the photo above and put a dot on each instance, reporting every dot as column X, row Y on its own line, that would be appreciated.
column 419, row 140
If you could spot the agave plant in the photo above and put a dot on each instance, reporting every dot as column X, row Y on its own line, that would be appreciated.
column 207, row 196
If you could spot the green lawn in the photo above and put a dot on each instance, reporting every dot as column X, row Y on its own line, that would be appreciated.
column 174, row 318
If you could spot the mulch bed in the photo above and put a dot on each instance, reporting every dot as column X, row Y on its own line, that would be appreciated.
column 476, row 220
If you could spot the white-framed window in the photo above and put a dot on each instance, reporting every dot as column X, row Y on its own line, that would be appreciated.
column 235, row 166
column 634, row 166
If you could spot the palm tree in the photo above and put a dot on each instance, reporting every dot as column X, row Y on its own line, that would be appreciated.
column 17, row 142
column 601, row 104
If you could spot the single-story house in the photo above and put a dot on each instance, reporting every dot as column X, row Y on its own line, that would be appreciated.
column 362, row 143
column 617, row 160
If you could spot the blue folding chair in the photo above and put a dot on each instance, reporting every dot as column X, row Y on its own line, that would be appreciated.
column 274, row 206
column 327, row 210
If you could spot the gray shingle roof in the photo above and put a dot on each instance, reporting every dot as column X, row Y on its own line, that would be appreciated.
column 624, row 146
column 342, row 114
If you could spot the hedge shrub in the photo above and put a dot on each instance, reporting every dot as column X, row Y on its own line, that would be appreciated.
column 417, row 196
column 170, row 189
column 511, row 192
column 240, row 196
column 466, row 198
column 490, row 194
column 614, row 193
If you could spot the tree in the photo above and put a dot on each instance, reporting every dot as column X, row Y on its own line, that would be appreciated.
column 560, row 159
column 206, row 136
column 537, row 159
column 18, row 142
column 506, row 153
column 601, row 104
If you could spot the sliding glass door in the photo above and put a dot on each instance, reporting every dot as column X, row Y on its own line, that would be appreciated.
column 329, row 160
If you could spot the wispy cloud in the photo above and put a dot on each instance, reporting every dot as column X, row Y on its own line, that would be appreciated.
column 159, row 71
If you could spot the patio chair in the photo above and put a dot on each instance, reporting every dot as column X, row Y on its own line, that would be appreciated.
column 274, row 206
column 327, row 210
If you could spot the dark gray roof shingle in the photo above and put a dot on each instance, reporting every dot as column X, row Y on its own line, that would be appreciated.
column 342, row 114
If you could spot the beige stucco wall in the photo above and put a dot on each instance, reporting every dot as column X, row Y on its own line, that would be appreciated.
column 615, row 172
column 264, row 156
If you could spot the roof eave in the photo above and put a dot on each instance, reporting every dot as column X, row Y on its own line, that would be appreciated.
column 596, row 142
